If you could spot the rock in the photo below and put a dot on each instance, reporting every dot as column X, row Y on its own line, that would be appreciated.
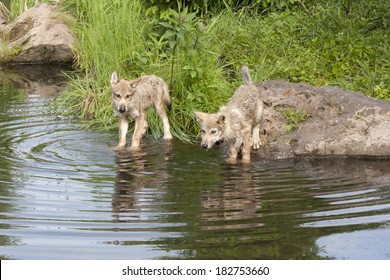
column 38, row 36
column 338, row 123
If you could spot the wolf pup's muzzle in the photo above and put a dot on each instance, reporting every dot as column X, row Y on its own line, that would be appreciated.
column 206, row 146
column 122, row 109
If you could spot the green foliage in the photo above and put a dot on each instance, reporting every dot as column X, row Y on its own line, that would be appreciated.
column 293, row 117
column 206, row 7
column 178, row 25
column 194, row 76
column 7, row 53
column 17, row 7
column 319, row 46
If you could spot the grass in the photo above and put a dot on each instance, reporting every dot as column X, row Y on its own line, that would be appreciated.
column 293, row 117
column 7, row 53
column 341, row 42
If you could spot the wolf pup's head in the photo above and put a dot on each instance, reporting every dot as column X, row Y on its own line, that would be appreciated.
column 213, row 126
column 122, row 92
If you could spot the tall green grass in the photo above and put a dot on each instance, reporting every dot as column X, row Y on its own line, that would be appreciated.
column 110, row 35
column 322, row 45
column 340, row 42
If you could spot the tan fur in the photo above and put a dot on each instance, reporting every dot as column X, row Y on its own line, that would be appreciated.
column 133, row 98
column 237, row 123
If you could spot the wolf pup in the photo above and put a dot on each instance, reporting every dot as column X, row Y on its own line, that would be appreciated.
column 133, row 98
column 237, row 123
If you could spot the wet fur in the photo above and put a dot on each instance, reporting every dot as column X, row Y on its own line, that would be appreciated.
column 237, row 123
column 132, row 98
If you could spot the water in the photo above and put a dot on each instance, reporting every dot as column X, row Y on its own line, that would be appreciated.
column 66, row 194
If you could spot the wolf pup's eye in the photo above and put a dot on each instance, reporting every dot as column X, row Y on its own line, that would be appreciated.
column 127, row 95
column 213, row 131
column 117, row 95
column 203, row 131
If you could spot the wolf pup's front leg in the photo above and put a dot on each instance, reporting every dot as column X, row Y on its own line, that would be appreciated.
column 123, row 127
column 246, row 144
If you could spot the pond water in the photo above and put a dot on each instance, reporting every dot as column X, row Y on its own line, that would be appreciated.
column 66, row 194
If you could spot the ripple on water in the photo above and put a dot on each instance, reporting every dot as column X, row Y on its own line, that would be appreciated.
column 66, row 194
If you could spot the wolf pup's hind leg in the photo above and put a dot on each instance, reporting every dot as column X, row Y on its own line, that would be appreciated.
column 163, row 115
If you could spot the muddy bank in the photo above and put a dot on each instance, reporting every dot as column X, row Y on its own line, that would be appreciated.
column 306, row 121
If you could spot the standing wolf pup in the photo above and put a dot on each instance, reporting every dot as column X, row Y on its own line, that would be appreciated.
column 133, row 98
column 237, row 123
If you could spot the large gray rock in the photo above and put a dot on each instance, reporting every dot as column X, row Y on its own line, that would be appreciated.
column 37, row 36
column 340, row 123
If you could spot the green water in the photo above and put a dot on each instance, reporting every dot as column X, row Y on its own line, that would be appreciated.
column 66, row 194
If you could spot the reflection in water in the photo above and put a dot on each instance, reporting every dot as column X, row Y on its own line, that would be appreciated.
column 236, row 202
column 66, row 194
column 139, row 173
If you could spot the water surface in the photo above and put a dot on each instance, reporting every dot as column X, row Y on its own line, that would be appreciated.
column 66, row 194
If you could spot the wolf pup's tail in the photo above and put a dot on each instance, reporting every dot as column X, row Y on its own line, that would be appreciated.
column 246, row 76
column 167, row 97
column 169, row 105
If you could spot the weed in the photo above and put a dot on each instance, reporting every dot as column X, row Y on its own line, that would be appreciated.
column 293, row 117
column 359, row 116
column 7, row 53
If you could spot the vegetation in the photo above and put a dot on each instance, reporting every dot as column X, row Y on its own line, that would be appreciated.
column 7, row 53
column 198, row 46
column 293, row 117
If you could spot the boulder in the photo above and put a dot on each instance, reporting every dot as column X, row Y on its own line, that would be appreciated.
column 38, row 36
column 307, row 121
column 4, row 14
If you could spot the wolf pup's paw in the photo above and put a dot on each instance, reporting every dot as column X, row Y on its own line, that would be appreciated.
column 120, row 148
column 168, row 137
column 256, row 143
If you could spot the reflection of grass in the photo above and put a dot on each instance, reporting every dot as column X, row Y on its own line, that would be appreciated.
column 293, row 117
column 8, row 90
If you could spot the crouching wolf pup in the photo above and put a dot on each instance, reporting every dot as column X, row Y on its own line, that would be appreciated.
column 237, row 123
column 133, row 98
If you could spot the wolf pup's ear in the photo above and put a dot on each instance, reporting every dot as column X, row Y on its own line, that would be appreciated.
column 134, row 83
column 221, row 119
column 114, row 78
column 200, row 117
